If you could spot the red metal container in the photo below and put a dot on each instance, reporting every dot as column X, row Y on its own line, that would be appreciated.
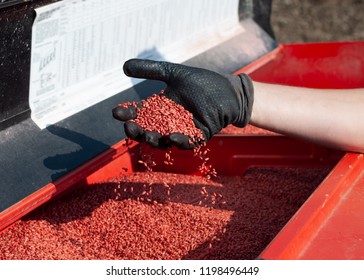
column 329, row 225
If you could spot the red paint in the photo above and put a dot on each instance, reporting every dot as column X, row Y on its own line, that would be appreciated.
column 319, row 65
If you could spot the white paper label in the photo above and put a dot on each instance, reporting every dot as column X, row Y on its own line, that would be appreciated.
column 79, row 47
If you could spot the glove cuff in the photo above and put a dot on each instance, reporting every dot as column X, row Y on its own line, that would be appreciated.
column 245, row 92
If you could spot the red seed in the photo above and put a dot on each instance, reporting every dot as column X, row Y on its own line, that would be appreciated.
column 161, row 114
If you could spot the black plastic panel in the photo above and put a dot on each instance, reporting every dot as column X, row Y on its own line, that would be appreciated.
column 15, row 42
column 8, row 3
column 260, row 11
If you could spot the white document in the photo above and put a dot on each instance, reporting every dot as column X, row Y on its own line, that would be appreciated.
column 79, row 47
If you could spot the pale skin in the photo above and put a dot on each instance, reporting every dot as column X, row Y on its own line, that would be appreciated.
column 330, row 117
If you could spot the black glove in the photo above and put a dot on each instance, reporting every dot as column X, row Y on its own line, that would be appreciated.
column 214, row 100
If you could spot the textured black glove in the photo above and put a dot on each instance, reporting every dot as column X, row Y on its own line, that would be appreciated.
column 214, row 100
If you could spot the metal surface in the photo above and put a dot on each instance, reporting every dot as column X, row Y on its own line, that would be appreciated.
column 232, row 155
column 229, row 155
column 16, row 20
column 8, row 3
column 260, row 11
column 331, row 65
column 330, row 225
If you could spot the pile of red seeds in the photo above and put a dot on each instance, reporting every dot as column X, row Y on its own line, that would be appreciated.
column 97, row 223
column 161, row 114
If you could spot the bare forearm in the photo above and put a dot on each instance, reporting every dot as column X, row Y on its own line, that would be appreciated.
column 332, row 118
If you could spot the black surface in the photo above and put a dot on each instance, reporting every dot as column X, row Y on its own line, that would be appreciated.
column 260, row 11
column 31, row 158
column 8, row 3
column 15, row 42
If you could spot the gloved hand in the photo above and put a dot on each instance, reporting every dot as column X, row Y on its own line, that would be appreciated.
column 215, row 100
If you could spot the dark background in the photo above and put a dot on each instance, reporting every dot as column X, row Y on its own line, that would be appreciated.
column 317, row 20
